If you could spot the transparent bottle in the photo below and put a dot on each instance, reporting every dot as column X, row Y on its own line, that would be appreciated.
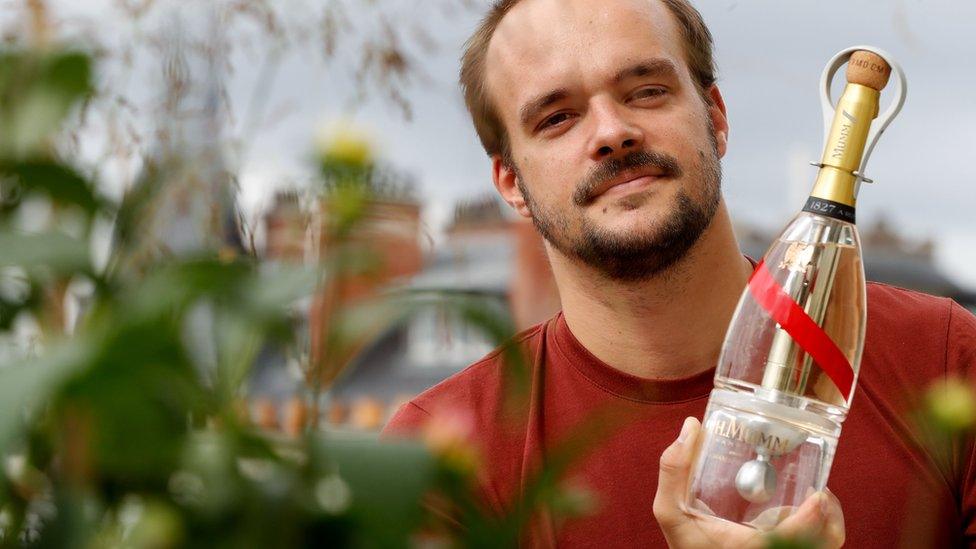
column 773, row 419
column 789, row 363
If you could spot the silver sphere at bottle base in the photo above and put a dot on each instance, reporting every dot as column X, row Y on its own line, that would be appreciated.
column 756, row 480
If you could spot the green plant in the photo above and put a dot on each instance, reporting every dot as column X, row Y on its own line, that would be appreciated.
column 121, row 421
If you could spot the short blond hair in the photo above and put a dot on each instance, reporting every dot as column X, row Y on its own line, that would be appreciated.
column 697, row 48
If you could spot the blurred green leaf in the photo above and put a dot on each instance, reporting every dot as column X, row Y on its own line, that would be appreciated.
column 138, row 395
column 173, row 285
column 159, row 526
column 31, row 382
column 369, row 318
column 385, row 482
column 55, row 250
column 208, row 481
column 136, row 213
column 798, row 542
column 62, row 184
column 38, row 91
column 269, row 293
column 261, row 297
column 74, row 523
column 238, row 340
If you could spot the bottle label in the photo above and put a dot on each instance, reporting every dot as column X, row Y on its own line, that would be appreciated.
column 829, row 208
column 735, row 428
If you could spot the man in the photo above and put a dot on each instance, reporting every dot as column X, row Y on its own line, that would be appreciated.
column 605, row 127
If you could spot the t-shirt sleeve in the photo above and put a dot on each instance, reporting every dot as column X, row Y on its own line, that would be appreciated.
column 961, row 363
column 407, row 422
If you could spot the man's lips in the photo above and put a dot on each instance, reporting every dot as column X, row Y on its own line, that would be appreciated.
column 628, row 182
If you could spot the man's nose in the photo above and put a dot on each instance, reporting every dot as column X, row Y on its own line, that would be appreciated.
column 613, row 134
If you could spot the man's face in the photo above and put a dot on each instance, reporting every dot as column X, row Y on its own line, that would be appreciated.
column 614, row 150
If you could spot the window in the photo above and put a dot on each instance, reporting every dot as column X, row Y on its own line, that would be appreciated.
column 439, row 336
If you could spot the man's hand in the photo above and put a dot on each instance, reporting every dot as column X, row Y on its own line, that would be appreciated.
column 819, row 517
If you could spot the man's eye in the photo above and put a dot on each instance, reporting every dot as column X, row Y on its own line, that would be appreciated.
column 644, row 93
column 554, row 120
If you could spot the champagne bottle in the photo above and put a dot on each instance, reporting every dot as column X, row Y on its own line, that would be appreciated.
column 791, row 355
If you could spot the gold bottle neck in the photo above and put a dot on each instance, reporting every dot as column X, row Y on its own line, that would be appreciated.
column 836, row 181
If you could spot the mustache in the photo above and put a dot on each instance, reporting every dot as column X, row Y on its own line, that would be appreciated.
column 611, row 168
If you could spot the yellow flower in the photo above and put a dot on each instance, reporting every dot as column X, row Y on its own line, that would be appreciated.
column 346, row 146
column 952, row 404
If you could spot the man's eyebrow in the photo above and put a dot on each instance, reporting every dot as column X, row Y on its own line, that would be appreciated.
column 650, row 67
column 532, row 108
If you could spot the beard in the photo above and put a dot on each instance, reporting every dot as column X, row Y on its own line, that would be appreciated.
column 639, row 256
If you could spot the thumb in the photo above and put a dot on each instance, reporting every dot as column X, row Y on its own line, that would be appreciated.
column 820, row 516
column 673, row 474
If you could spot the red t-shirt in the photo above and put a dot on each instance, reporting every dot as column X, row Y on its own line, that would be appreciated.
column 894, row 491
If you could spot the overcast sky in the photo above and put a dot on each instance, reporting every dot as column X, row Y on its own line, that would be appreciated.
column 770, row 54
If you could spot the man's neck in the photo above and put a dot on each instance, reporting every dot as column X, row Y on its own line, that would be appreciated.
column 667, row 327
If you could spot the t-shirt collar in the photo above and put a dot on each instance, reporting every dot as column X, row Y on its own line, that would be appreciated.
column 624, row 385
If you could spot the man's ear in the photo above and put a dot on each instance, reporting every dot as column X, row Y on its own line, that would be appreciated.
column 720, row 119
column 506, row 181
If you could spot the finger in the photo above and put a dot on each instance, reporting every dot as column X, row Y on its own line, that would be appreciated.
column 834, row 531
column 673, row 474
column 807, row 521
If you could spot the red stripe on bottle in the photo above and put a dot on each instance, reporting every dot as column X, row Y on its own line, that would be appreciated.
column 808, row 335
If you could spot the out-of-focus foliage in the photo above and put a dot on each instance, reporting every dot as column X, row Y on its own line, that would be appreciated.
column 122, row 423
column 777, row 542
column 951, row 406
